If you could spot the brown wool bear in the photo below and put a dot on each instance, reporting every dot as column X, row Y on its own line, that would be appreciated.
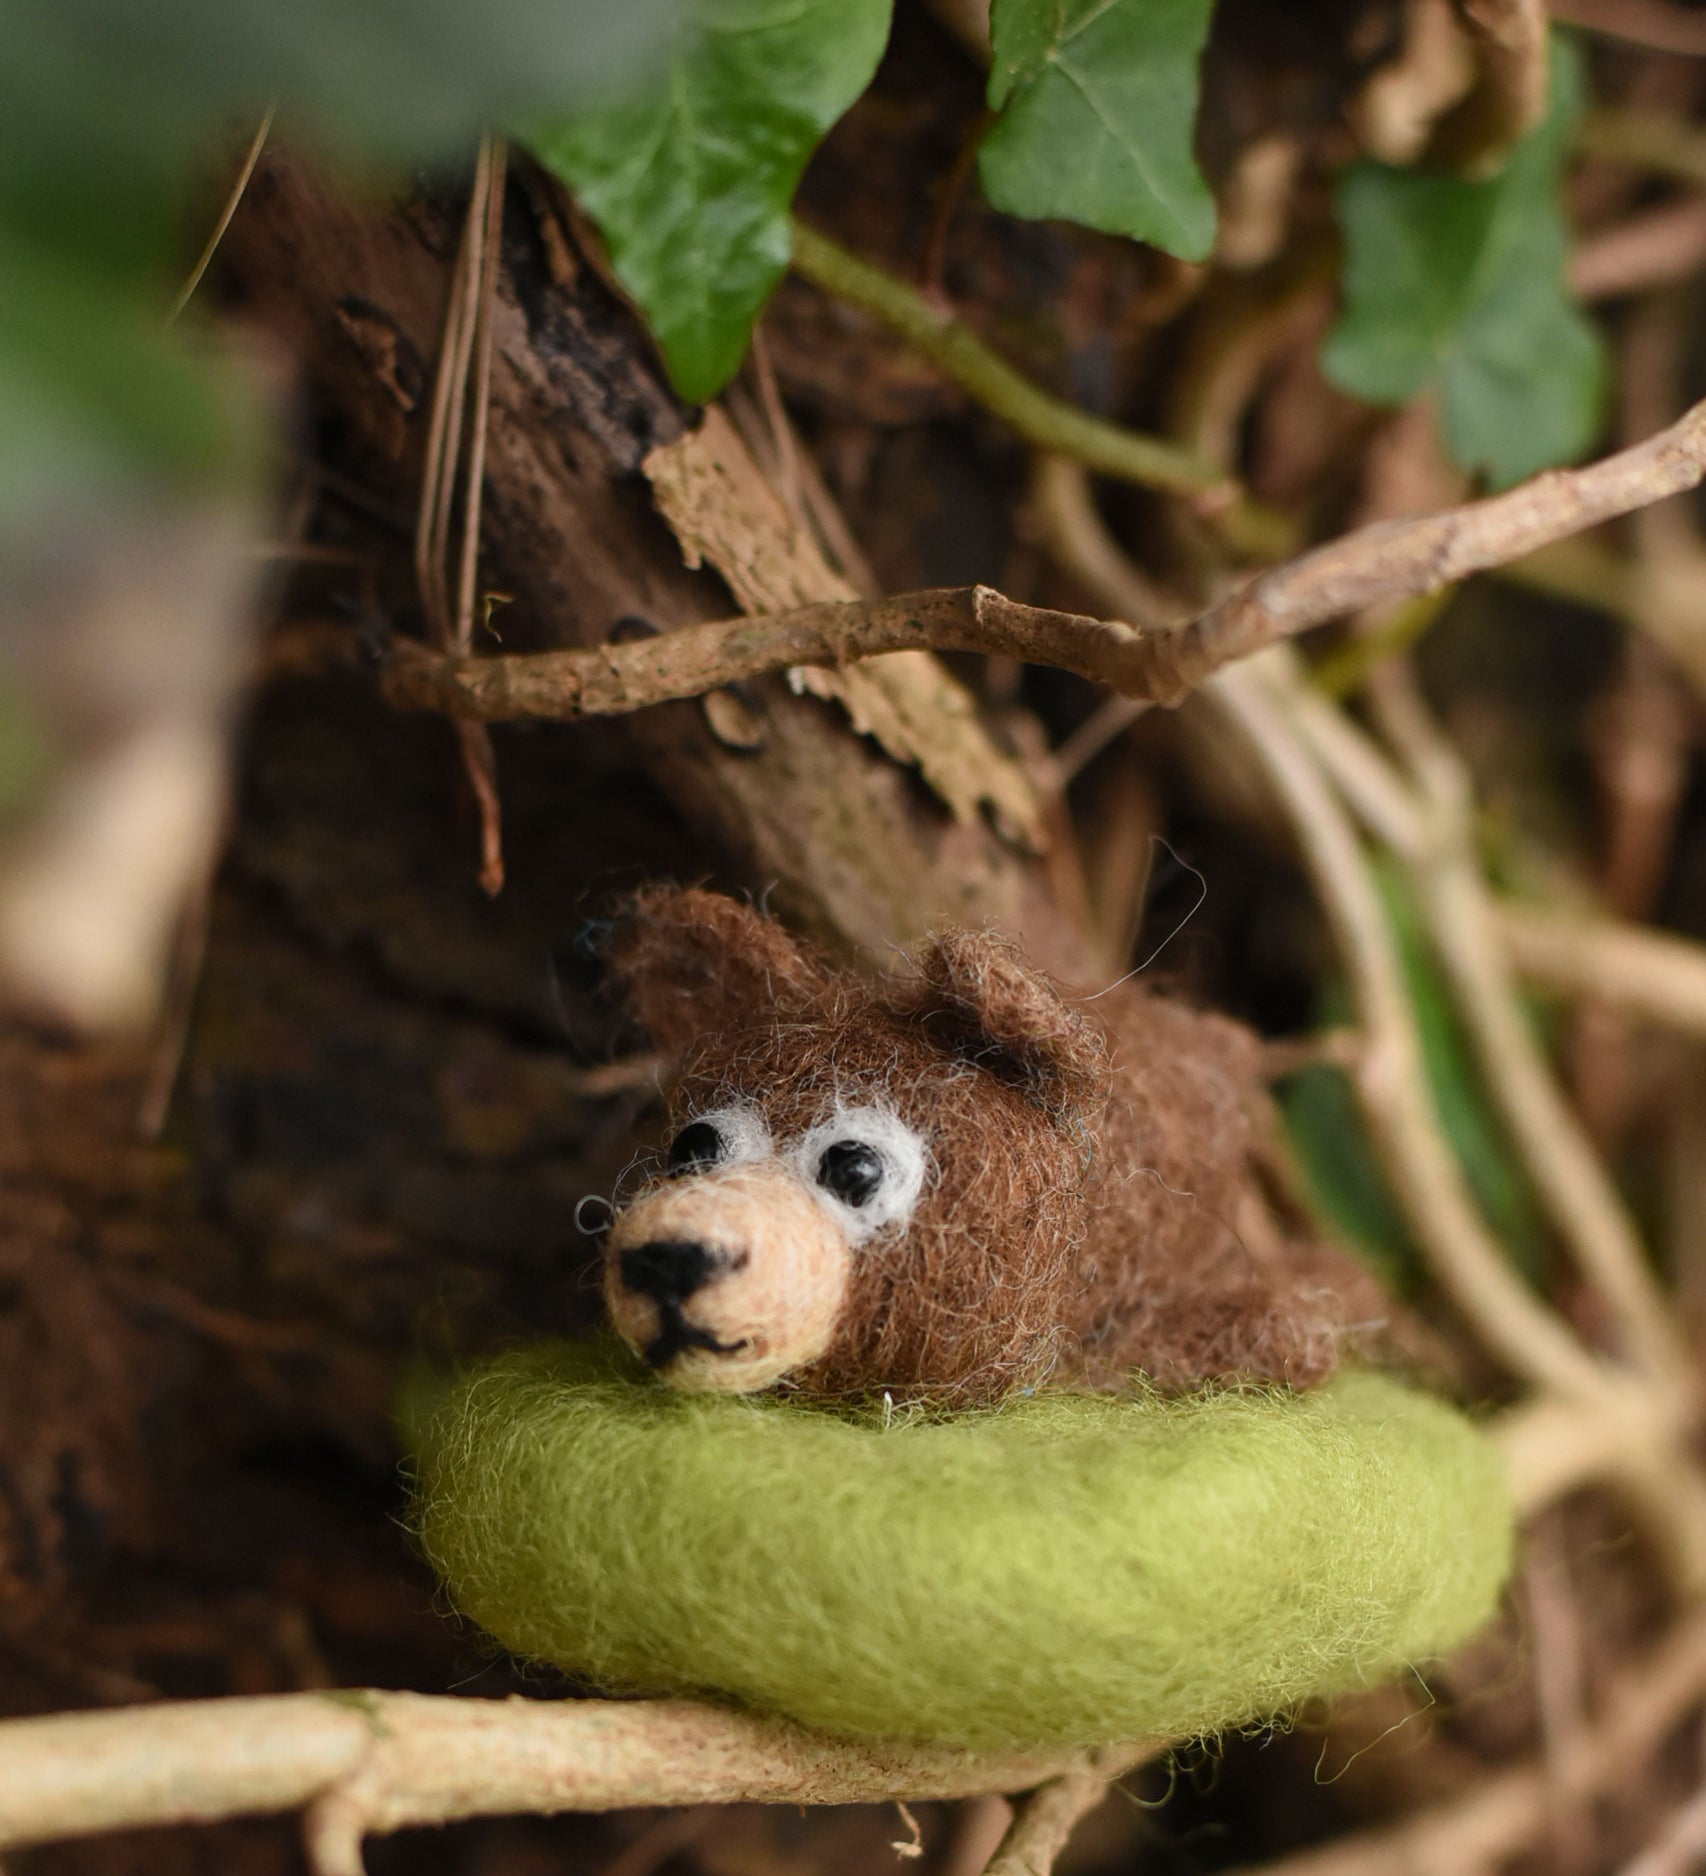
column 948, row 1187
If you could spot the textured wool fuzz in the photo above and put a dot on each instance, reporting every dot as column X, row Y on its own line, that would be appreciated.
column 1025, row 1187
column 1062, row 1570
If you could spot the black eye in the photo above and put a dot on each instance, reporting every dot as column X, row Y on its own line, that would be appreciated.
column 851, row 1170
column 698, row 1144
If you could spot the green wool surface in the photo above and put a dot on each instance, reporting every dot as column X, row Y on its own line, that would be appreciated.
column 1063, row 1570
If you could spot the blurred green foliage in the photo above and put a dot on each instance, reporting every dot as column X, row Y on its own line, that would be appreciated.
column 1098, row 103
column 1330, row 1138
column 1458, row 287
column 107, row 112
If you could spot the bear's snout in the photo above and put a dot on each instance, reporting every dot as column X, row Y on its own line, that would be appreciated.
column 728, row 1280
column 668, row 1270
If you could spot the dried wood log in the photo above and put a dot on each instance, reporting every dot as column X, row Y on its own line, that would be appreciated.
column 858, row 852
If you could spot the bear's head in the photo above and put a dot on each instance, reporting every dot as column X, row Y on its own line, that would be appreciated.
column 866, row 1187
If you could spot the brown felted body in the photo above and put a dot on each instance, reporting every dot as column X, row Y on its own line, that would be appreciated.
column 1081, row 1166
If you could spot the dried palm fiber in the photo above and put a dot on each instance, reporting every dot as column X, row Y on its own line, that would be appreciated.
column 1065, row 1569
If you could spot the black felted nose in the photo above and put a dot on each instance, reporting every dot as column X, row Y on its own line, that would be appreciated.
column 668, row 1270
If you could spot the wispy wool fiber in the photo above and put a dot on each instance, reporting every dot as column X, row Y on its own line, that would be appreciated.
column 1089, row 1158
column 1066, row 1569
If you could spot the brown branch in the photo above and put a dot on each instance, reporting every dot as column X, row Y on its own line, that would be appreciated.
column 1499, row 1815
column 1395, row 560
column 370, row 1762
column 611, row 680
column 1569, row 1177
column 1047, row 1818
column 1654, row 247
column 1374, row 566
column 1645, row 972
column 1658, row 25
column 1509, row 97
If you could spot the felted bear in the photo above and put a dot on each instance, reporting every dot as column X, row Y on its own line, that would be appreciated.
column 950, row 1186
column 954, row 1188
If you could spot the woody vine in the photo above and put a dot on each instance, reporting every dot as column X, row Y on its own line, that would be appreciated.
column 1160, row 549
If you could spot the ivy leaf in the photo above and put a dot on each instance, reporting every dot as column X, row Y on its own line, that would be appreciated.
column 1098, row 102
column 1341, row 1169
column 1459, row 286
column 691, row 182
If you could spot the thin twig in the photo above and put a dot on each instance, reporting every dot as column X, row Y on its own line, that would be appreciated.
column 1047, row 1818
column 1373, row 566
column 187, row 291
column 1103, row 726
column 1391, row 561
column 1664, row 600
column 669, row 1835
column 931, row 269
column 491, row 246
column 444, row 424
column 1060, row 499
column 166, row 1060
column 1647, row 973
column 1396, row 1098
column 1680, row 1847
column 980, row 1830
column 1554, row 1446
column 611, row 680
column 468, row 324
column 1348, row 667
column 1392, row 1081
column 1654, row 247
column 372, row 1762
column 1502, row 1813
column 1555, row 1626
column 1568, row 1175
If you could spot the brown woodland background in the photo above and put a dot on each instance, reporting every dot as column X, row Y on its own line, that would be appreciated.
column 356, row 1137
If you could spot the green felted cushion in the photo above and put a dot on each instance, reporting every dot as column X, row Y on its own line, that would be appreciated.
column 1063, row 1570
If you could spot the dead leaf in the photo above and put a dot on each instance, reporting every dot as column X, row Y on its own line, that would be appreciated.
column 725, row 514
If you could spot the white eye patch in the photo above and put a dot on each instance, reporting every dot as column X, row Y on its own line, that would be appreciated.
column 726, row 1136
column 866, row 1165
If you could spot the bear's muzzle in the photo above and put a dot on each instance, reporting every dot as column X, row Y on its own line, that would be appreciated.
column 728, row 1280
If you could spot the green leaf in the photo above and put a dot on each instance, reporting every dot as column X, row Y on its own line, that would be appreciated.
column 108, row 108
column 691, row 182
column 96, row 398
column 1459, row 286
column 1341, row 1169
column 1342, row 1176
column 1098, row 102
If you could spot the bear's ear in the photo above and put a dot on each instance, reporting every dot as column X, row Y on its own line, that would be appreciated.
column 690, row 963
column 1009, row 1017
